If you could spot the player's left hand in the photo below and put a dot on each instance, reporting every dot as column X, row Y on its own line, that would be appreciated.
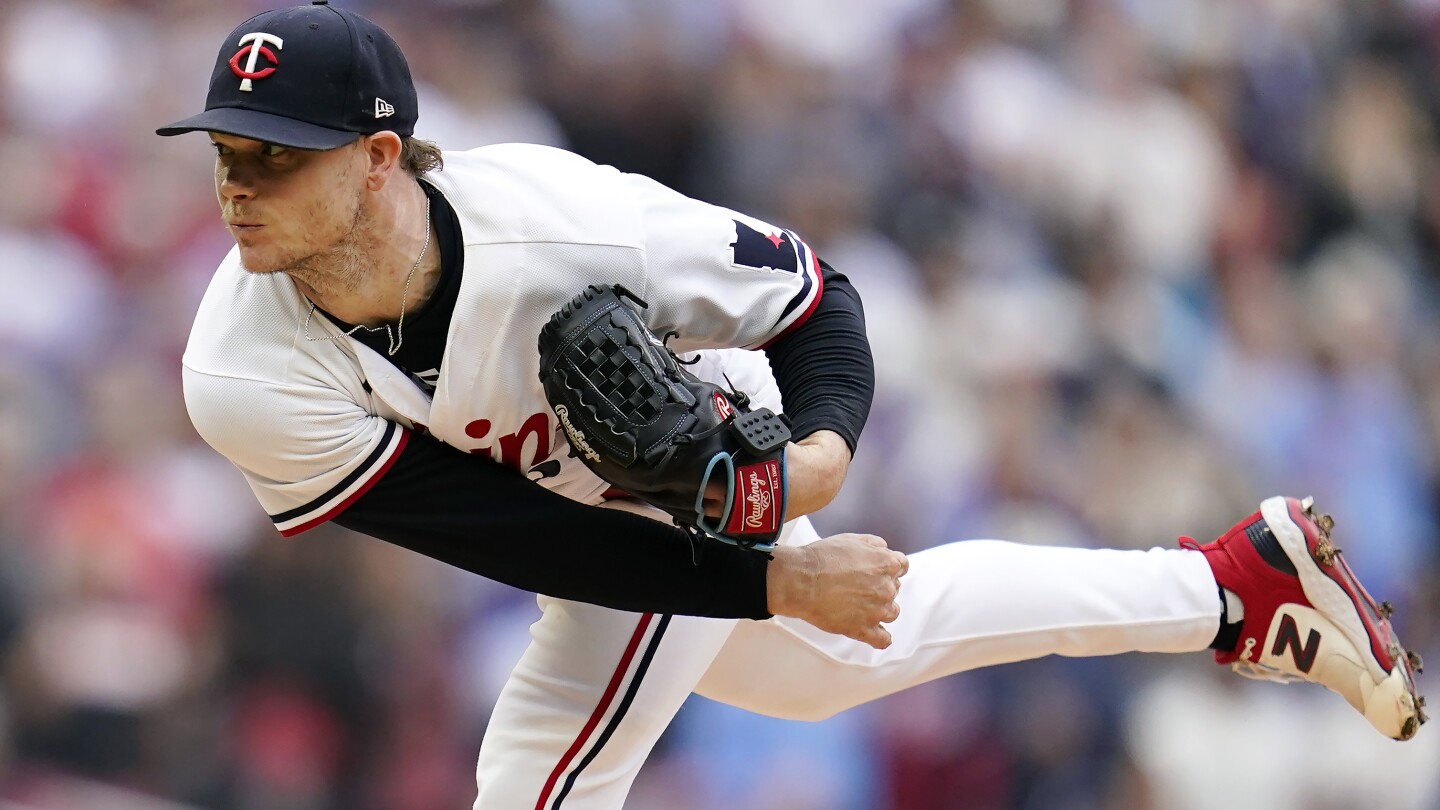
column 815, row 467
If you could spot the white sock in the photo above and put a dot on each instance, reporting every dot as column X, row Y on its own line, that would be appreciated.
column 1234, row 608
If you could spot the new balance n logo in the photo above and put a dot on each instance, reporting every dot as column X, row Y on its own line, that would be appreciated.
column 1289, row 636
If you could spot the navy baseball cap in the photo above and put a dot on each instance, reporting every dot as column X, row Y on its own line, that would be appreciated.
column 309, row 77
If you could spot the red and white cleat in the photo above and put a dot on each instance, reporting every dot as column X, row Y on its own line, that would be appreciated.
column 1308, row 618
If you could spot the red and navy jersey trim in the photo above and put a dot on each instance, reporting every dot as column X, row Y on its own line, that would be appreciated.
column 799, row 308
column 350, row 488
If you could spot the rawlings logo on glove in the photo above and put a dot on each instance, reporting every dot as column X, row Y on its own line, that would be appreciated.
column 640, row 420
column 759, row 516
column 577, row 439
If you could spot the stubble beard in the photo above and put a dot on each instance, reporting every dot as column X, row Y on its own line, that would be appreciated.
column 339, row 268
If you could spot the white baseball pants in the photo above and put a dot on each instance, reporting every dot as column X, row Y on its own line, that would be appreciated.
column 596, row 687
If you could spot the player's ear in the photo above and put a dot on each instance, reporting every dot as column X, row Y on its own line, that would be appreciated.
column 382, row 153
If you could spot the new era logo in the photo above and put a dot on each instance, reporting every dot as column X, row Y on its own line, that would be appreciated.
column 383, row 108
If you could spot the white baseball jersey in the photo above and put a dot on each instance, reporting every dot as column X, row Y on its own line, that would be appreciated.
column 312, row 421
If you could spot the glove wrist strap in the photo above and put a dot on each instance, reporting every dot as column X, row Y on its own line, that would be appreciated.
column 757, row 506
column 700, row 516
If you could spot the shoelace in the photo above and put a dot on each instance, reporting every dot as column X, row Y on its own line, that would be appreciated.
column 1260, row 672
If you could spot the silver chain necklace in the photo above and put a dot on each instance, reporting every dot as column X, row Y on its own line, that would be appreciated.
column 396, row 337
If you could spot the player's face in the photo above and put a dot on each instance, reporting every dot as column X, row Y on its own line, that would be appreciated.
column 285, row 207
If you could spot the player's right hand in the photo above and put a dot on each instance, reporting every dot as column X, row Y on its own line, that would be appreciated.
column 844, row 584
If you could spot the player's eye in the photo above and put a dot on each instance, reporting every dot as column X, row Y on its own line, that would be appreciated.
column 273, row 150
column 221, row 149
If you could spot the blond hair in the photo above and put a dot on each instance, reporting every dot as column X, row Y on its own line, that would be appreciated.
column 418, row 156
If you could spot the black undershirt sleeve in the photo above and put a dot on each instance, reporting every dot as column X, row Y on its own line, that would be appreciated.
column 824, row 368
column 477, row 515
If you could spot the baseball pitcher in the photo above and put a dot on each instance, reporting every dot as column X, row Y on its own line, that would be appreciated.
column 579, row 382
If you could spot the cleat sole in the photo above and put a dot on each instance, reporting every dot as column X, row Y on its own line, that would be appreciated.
column 1392, row 704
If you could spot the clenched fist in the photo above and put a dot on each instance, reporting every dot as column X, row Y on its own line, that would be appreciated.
column 844, row 584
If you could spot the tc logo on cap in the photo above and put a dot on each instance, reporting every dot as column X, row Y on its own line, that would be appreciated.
column 254, row 45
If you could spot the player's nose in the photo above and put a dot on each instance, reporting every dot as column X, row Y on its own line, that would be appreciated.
column 234, row 183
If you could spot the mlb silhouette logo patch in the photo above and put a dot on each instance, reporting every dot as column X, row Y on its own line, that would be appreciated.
column 774, row 250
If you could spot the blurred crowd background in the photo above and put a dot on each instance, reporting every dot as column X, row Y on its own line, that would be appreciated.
column 1129, row 266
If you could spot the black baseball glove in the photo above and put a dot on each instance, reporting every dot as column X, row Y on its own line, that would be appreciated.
column 640, row 420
